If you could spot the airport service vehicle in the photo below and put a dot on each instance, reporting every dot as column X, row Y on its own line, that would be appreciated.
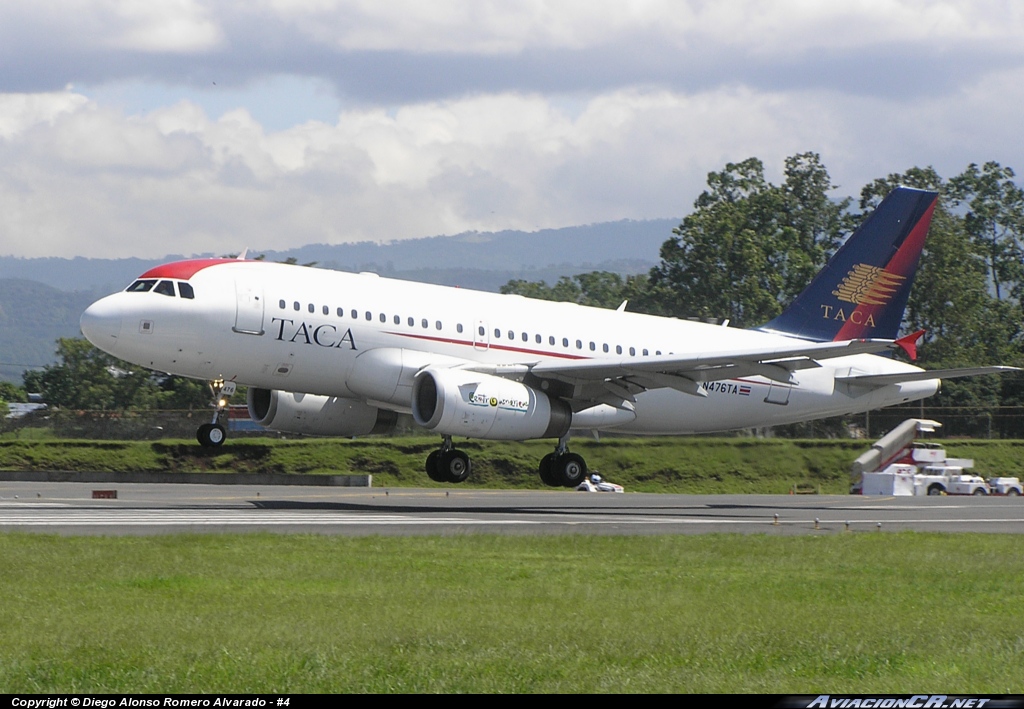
column 898, row 464
column 341, row 354
column 595, row 483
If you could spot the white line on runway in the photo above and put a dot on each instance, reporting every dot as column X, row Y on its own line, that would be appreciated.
column 144, row 518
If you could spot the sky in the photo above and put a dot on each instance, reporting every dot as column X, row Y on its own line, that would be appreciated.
column 193, row 126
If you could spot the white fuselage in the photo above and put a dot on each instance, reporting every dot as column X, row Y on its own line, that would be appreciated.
column 297, row 329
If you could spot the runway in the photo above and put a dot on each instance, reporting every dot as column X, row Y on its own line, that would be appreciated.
column 69, row 508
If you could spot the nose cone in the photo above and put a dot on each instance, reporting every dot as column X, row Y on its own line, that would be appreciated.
column 101, row 324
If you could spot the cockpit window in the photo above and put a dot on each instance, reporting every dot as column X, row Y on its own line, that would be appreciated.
column 140, row 286
column 165, row 288
column 186, row 290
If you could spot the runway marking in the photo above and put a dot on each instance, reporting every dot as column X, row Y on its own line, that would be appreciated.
column 36, row 516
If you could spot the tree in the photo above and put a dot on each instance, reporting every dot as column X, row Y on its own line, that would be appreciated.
column 995, row 222
column 600, row 289
column 750, row 247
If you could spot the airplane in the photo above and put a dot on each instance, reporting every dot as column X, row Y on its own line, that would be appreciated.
column 342, row 354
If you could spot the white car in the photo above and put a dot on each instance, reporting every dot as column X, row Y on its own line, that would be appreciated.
column 595, row 484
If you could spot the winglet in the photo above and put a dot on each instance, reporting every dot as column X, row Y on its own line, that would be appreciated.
column 908, row 343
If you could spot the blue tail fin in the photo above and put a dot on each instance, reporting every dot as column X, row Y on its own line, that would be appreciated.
column 863, row 289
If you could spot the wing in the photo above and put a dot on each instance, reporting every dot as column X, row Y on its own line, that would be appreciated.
column 615, row 380
column 880, row 380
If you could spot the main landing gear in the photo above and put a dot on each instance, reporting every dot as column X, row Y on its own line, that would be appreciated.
column 212, row 435
column 448, row 464
column 559, row 469
column 562, row 468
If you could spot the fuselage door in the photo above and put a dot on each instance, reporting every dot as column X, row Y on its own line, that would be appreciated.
column 778, row 394
column 248, row 308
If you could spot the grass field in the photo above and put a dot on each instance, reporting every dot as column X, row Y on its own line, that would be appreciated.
column 872, row 612
column 684, row 465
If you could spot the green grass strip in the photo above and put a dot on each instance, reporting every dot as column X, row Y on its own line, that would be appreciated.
column 683, row 465
column 871, row 612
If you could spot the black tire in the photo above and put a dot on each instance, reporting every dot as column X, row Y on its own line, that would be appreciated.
column 570, row 468
column 936, row 489
column 211, row 435
column 547, row 472
column 1013, row 492
column 454, row 465
column 433, row 468
column 979, row 491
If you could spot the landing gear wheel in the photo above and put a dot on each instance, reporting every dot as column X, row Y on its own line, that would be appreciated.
column 433, row 467
column 211, row 435
column 454, row 465
column 547, row 471
column 570, row 468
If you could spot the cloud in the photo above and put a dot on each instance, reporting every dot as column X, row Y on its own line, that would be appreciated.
column 198, row 127
column 176, row 180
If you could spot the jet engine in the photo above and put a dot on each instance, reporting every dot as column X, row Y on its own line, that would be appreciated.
column 316, row 415
column 456, row 402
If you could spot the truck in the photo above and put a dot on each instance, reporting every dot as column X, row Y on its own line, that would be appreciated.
column 901, row 464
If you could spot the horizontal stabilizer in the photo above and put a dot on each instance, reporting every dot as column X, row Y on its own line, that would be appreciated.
column 880, row 380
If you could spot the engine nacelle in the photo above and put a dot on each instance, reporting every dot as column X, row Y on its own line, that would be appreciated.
column 316, row 415
column 456, row 402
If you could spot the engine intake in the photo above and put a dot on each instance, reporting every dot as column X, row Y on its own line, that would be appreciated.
column 456, row 402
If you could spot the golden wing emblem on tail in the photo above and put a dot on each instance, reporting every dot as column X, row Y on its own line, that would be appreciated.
column 868, row 285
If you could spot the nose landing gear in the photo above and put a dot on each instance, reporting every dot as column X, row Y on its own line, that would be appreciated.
column 212, row 435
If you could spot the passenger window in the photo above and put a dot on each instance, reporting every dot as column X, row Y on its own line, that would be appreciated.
column 526, row 338
column 165, row 288
column 438, row 325
column 296, row 306
column 412, row 322
column 579, row 344
column 551, row 340
column 140, row 287
column 458, row 328
column 383, row 317
column 423, row 323
column 592, row 347
column 480, row 330
column 538, row 339
column 327, row 311
column 511, row 335
column 632, row 351
column 645, row 352
column 618, row 349
column 341, row 312
column 186, row 292
column 398, row 320
column 497, row 333
column 565, row 342
column 604, row 347
column 281, row 304
column 369, row 315
column 311, row 308
column 355, row 314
